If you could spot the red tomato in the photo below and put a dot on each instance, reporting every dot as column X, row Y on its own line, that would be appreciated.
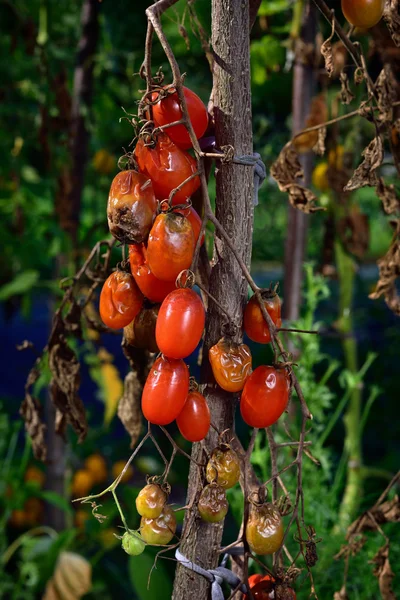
column 167, row 166
column 265, row 396
column 168, row 110
column 192, row 215
column 180, row 323
column 261, row 587
column 154, row 289
column 254, row 324
column 194, row 419
column 165, row 390
column 120, row 300
column 363, row 13
column 171, row 246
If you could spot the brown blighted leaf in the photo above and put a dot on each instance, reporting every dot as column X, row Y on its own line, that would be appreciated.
column 129, row 410
column 60, row 423
column 71, row 408
column 31, row 413
column 286, row 170
column 384, row 572
column 72, row 320
column 327, row 53
column 71, row 580
column 386, row 512
column 386, row 94
column 391, row 15
column 341, row 595
column 354, row 232
column 359, row 75
column 389, row 271
column 390, row 200
column 346, row 95
column 304, row 142
column 319, row 147
column 365, row 172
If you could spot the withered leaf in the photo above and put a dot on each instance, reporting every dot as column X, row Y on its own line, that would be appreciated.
column 365, row 172
column 346, row 95
column 385, row 88
column 387, row 193
column 384, row 572
column 389, row 271
column 71, row 408
column 31, row 413
column 386, row 512
column 326, row 51
column 72, row 320
column 354, row 232
column 129, row 410
column 319, row 147
column 391, row 15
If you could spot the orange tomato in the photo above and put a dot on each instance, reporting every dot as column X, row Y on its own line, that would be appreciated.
column 231, row 364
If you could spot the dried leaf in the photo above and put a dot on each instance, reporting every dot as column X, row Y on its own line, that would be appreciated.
column 31, row 413
column 306, row 141
column 319, row 147
column 390, row 200
column 384, row 572
column 354, row 232
column 129, row 410
column 386, row 94
column 72, row 320
column 326, row 51
column 71, row 580
column 386, row 512
column 346, row 95
column 365, row 172
column 389, row 271
column 391, row 15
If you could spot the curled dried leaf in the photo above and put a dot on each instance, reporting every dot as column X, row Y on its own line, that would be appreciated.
column 319, row 147
column 391, row 15
column 365, row 172
column 354, row 231
column 384, row 572
column 389, row 271
column 326, row 51
column 385, row 88
column 129, row 410
column 346, row 95
column 307, row 140
column 31, row 413
column 389, row 197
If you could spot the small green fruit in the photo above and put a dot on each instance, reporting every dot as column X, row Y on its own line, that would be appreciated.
column 132, row 543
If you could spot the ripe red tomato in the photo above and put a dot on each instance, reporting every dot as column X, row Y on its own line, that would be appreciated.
column 168, row 110
column 194, row 419
column 254, row 324
column 131, row 207
column 192, row 215
column 180, row 323
column 151, row 287
column 261, row 587
column 120, row 300
column 167, row 166
column 231, row 364
column 265, row 396
column 363, row 13
column 165, row 390
column 171, row 246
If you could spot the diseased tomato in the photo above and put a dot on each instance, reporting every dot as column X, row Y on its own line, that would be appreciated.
column 180, row 323
column 161, row 530
column 167, row 166
column 192, row 215
column 151, row 501
column 265, row 396
column 261, row 587
column 363, row 13
column 120, row 300
column 264, row 529
column 194, row 419
column 254, row 323
column 230, row 363
column 132, row 543
column 131, row 207
column 223, row 467
column 213, row 504
column 141, row 333
column 165, row 390
column 168, row 110
column 153, row 288
column 171, row 246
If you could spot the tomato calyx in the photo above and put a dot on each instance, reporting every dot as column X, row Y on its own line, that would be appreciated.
column 258, row 497
column 157, row 480
column 229, row 331
column 193, row 385
column 127, row 162
column 185, row 279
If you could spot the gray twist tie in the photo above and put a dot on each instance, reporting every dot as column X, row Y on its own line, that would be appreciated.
column 260, row 171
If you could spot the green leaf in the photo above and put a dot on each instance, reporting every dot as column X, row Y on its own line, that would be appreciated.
column 272, row 7
column 20, row 285
column 56, row 500
column 160, row 582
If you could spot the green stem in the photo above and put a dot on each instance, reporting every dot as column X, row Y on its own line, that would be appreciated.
column 120, row 510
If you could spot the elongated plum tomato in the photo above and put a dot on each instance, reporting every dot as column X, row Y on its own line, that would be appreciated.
column 363, row 13
column 165, row 390
column 230, row 363
column 192, row 215
column 194, row 419
column 264, row 529
column 120, row 300
column 254, row 323
column 167, row 166
column 168, row 110
column 265, row 396
column 171, row 246
column 131, row 207
column 152, row 288
column 180, row 323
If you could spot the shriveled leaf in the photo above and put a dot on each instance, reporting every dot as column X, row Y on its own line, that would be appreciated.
column 71, row 580
column 327, row 53
column 391, row 15
column 31, row 413
column 308, row 140
column 365, row 172
column 346, row 95
column 129, row 410
column 384, row 572
column 354, row 232
column 389, row 197
column 71, row 407
column 385, row 88
column 72, row 320
column 319, row 147
column 389, row 271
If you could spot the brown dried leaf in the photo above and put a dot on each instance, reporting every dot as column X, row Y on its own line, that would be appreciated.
column 306, row 140
column 384, row 572
column 365, row 172
column 346, row 95
column 72, row 320
column 389, row 271
column 391, row 15
column 386, row 94
column 129, row 410
column 31, row 413
column 371, row 520
column 326, row 51
column 354, row 232
column 319, row 147
column 390, row 200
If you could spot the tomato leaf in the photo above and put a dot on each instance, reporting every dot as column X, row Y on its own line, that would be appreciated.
column 56, row 500
column 20, row 285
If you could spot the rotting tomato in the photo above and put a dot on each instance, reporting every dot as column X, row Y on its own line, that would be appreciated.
column 161, row 530
column 213, row 504
column 165, row 390
column 261, row 587
column 193, row 216
column 230, row 363
column 265, row 396
column 150, row 501
column 131, row 207
column 194, row 419
column 254, row 323
column 168, row 110
column 120, row 300
column 264, row 529
column 168, row 167
column 363, row 13
column 141, row 333
column 152, row 288
column 171, row 246
column 180, row 323
column 223, row 467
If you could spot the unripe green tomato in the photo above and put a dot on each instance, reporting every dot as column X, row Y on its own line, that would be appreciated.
column 132, row 543
column 151, row 501
column 161, row 530
column 223, row 467
column 264, row 529
column 213, row 504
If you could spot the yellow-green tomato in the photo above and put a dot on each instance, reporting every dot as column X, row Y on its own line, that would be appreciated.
column 151, row 501
column 161, row 530
column 213, row 504
column 264, row 529
column 132, row 543
column 223, row 467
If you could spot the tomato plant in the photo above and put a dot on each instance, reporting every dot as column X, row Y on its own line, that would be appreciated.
column 168, row 110
column 264, row 529
column 120, row 300
column 213, row 504
column 151, row 287
column 165, row 390
column 141, row 332
column 133, row 543
column 151, row 501
column 194, row 419
column 182, row 313
column 168, row 167
column 230, row 363
column 171, row 246
column 161, row 530
column 131, row 207
column 265, row 396
column 254, row 323
column 223, row 467
column 363, row 13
